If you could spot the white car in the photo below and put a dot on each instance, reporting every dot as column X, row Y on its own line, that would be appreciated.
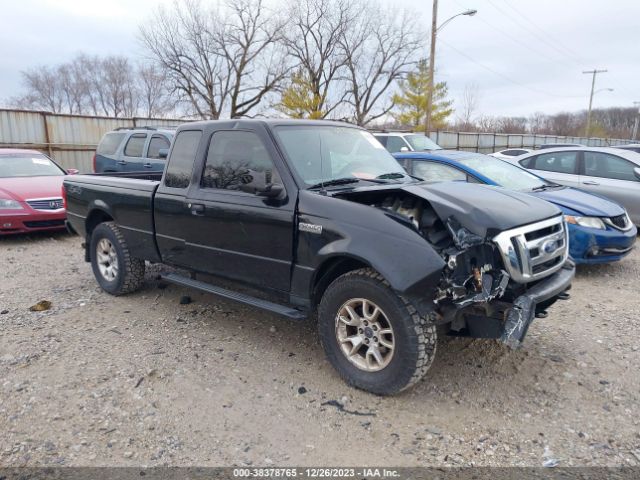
column 511, row 153
column 605, row 171
column 396, row 142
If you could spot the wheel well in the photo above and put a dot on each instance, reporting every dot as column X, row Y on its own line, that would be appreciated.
column 329, row 271
column 94, row 219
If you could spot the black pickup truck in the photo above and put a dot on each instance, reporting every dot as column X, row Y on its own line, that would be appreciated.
column 316, row 216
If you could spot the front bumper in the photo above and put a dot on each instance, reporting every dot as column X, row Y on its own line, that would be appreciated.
column 32, row 222
column 524, row 307
column 589, row 245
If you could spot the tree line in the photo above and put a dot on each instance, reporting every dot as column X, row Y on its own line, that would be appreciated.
column 613, row 122
column 352, row 60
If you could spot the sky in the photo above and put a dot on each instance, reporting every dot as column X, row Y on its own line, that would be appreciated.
column 522, row 56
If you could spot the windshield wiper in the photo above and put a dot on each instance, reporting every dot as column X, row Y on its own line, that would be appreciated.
column 335, row 181
column 391, row 176
column 542, row 188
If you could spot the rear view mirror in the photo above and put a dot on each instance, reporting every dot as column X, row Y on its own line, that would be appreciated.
column 72, row 171
column 637, row 172
column 404, row 149
column 163, row 153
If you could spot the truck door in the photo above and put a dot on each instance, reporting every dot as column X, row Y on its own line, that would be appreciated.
column 172, row 215
column 234, row 232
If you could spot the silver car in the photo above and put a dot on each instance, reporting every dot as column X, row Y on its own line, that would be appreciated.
column 609, row 172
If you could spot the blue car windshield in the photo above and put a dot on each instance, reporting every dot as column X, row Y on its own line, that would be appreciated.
column 504, row 174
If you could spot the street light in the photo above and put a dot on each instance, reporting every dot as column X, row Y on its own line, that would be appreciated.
column 432, row 57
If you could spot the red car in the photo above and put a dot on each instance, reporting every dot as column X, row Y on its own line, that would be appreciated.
column 30, row 192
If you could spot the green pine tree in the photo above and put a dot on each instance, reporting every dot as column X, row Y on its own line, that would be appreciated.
column 412, row 99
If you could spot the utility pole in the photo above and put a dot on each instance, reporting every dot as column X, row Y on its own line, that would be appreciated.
column 635, row 124
column 594, row 72
column 432, row 63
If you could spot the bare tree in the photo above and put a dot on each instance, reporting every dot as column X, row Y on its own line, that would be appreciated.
column 218, row 60
column 153, row 96
column 44, row 90
column 314, row 34
column 468, row 106
column 379, row 47
column 251, row 43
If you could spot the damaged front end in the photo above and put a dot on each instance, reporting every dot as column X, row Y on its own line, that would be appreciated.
column 495, row 278
column 494, row 288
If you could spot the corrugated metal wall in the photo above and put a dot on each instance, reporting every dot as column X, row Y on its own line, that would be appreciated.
column 70, row 139
column 492, row 142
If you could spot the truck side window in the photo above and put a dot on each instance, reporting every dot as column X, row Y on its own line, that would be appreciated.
column 178, row 174
column 236, row 158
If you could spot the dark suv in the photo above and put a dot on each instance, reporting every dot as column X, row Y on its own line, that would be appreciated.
column 134, row 149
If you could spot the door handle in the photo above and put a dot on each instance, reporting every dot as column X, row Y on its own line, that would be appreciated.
column 121, row 162
column 147, row 165
column 590, row 182
column 196, row 209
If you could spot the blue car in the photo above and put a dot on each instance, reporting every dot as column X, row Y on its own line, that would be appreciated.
column 599, row 230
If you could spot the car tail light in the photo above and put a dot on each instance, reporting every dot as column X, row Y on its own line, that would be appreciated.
column 64, row 197
column 94, row 163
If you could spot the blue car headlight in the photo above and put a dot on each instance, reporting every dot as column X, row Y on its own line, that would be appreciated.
column 589, row 222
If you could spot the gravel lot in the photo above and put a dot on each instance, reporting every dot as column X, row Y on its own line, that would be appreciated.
column 143, row 380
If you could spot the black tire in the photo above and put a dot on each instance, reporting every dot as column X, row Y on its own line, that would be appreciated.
column 130, row 271
column 414, row 336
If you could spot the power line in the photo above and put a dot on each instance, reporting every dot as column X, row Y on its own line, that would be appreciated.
column 531, row 22
column 509, row 79
column 535, row 34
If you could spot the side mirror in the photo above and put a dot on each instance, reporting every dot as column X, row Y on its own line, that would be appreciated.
column 73, row 171
column 163, row 153
column 637, row 172
column 272, row 190
column 404, row 149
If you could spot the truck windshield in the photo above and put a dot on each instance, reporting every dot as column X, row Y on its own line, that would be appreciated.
column 422, row 142
column 505, row 174
column 325, row 153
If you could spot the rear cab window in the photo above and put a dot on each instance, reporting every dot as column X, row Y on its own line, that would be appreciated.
column 182, row 159
column 110, row 143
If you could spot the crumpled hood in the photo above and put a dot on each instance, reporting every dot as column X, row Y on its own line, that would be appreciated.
column 581, row 202
column 482, row 209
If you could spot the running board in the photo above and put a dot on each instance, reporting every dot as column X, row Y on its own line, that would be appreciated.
column 235, row 296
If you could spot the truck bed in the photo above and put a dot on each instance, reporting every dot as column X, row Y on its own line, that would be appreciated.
column 126, row 198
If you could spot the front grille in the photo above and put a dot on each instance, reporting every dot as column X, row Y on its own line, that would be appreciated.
column 621, row 222
column 534, row 251
column 44, row 223
column 46, row 204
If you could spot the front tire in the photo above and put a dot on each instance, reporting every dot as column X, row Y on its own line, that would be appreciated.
column 374, row 338
column 114, row 268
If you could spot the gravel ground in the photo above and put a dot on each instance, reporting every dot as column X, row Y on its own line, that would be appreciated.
column 143, row 380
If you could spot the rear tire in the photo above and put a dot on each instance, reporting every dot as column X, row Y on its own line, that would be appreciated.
column 114, row 268
column 360, row 313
